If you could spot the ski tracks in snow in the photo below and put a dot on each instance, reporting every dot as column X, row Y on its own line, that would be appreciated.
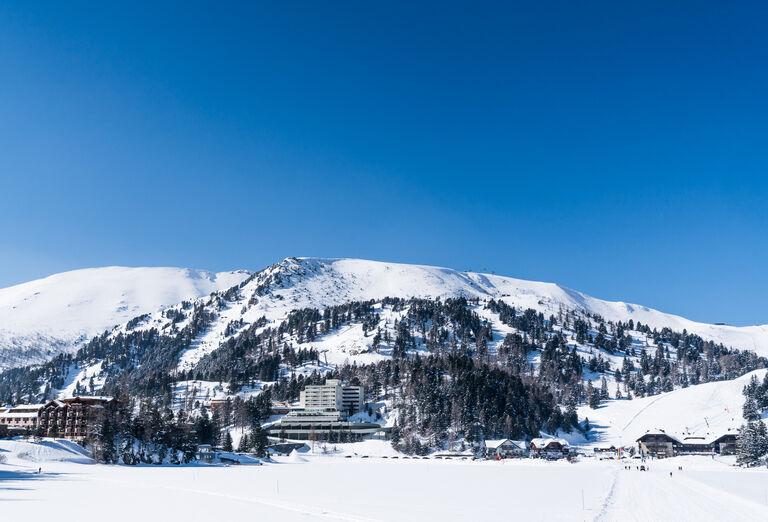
column 311, row 511
column 655, row 495
column 608, row 501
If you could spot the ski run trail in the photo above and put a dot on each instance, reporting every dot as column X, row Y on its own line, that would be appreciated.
column 681, row 496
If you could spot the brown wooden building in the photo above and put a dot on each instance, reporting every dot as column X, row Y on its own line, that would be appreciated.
column 550, row 448
column 74, row 417
column 658, row 443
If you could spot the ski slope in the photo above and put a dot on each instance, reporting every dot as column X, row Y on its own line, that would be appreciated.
column 47, row 316
column 705, row 409
column 296, row 283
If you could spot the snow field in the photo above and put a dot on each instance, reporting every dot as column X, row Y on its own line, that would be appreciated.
column 705, row 490
column 318, row 489
column 315, row 487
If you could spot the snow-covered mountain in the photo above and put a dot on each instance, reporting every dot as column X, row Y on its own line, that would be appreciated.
column 297, row 283
column 56, row 314
column 353, row 279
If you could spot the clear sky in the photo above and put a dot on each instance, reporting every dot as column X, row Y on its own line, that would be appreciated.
column 617, row 148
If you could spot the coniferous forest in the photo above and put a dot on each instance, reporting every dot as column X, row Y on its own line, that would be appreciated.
column 447, row 370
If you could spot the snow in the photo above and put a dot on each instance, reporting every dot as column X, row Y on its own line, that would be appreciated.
column 61, row 311
column 83, row 376
column 58, row 313
column 21, row 453
column 314, row 282
column 493, row 444
column 326, row 281
column 186, row 393
column 544, row 442
column 295, row 457
column 704, row 490
column 357, row 489
column 706, row 410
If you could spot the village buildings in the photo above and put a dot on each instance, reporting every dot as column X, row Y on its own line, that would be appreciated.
column 505, row 448
column 72, row 418
column 22, row 418
column 660, row 444
column 550, row 448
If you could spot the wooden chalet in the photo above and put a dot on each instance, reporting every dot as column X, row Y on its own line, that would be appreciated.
column 505, row 448
column 550, row 448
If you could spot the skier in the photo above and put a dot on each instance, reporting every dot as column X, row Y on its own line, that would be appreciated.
column 670, row 474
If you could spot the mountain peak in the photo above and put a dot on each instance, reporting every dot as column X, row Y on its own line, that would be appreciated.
column 57, row 312
column 61, row 311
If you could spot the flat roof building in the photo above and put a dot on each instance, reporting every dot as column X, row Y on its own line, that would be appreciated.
column 333, row 396
column 321, row 425
column 21, row 418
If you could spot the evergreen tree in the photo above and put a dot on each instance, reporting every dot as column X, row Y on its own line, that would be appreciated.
column 226, row 444
column 259, row 441
column 752, row 444
column 750, row 410
column 244, row 444
column 604, row 396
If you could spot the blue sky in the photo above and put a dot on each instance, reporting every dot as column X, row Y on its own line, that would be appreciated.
column 616, row 149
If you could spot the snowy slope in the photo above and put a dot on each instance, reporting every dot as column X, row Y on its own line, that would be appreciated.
column 21, row 452
column 313, row 282
column 58, row 312
column 55, row 314
column 705, row 409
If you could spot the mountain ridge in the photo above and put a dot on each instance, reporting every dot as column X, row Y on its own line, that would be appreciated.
column 57, row 313
column 542, row 296
column 318, row 282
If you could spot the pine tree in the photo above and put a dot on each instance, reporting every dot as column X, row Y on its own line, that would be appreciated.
column 752, row 443
column 259, row 441
column 244, row 444
column 750, row 410
column 604, row 396
column 104, row 447
column 593, row 396
column 226, row 444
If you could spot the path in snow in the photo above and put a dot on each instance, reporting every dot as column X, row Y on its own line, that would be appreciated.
column 654, row 495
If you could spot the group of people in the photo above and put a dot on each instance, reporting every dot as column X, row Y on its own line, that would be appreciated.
column 647, row 468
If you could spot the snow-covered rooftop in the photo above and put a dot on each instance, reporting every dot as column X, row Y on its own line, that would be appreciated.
column 544, row 442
